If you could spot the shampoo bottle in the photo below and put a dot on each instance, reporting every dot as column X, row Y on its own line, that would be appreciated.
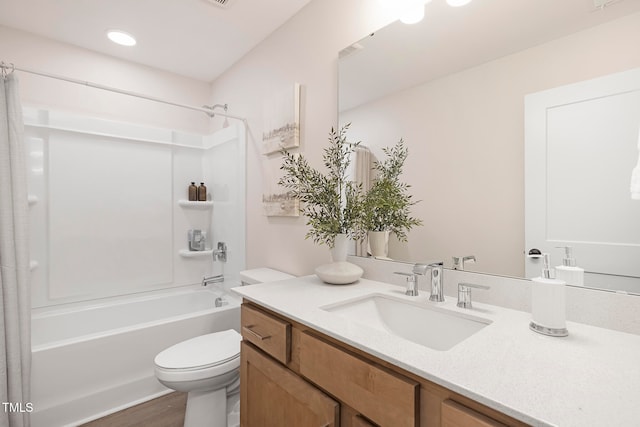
column 568, row 271
column 193, row 192
column 202, row 192
column 548, row 306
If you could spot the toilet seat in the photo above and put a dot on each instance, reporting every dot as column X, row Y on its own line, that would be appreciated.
column 201, row 357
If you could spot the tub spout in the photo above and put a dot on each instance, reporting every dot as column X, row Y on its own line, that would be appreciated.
column 218, row 278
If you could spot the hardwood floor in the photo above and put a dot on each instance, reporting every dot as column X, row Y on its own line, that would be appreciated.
column 165, row 411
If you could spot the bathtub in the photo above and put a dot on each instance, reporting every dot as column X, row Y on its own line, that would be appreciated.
column 90, row 361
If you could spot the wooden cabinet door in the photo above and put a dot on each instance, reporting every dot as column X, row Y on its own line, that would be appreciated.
column 383, row 396
column 273, row 396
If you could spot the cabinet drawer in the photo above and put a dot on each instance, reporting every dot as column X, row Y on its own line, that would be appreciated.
column 456, row 415
column 266, row 332
column 385, row 398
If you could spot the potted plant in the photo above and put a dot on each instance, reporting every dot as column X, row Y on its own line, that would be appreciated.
column 331, row 202
column 387, row 204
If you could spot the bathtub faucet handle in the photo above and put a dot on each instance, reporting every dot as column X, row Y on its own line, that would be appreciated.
column 220, row 254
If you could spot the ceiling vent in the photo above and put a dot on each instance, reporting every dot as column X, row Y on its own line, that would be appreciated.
column 221, row 3
column 350, row 50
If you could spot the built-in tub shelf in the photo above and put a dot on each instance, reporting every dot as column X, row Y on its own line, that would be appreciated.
column 32, row 199
column 33, row 265
column 196, row 205
column 186, row 253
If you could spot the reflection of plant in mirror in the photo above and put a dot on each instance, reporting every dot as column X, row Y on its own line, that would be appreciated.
column 332, row 203
column 387, row 204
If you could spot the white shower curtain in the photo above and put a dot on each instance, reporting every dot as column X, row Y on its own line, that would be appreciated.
column 15, row 304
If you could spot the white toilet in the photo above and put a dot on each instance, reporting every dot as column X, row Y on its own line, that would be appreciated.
column 208, row 366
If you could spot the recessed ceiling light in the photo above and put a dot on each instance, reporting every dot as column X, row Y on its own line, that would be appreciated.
column 121, row 38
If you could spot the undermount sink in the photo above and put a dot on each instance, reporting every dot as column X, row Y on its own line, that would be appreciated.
column 419, row 322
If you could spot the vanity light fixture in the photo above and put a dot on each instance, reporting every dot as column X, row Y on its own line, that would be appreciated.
column 120, row 37
column 412, row 11
column 409, row 11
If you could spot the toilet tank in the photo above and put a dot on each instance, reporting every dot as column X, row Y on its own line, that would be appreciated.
column 262, row 275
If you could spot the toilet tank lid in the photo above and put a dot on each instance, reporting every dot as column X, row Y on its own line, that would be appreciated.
column 263, row 275
column 204, row 350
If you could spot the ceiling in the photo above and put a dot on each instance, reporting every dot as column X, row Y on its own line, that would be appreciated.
column 194, row 38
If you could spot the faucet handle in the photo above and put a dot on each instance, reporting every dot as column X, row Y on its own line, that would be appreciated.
column 458, row 261
column 420, row 269
column 412, row 289
column 464, row 293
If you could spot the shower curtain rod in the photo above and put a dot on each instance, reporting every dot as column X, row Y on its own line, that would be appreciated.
column 208, row 110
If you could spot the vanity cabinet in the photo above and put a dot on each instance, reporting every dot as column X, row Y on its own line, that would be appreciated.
column 292, row 375
column 273, row 396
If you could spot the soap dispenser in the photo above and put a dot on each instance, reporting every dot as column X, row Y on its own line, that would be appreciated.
column 548, row 306
column 568, row 272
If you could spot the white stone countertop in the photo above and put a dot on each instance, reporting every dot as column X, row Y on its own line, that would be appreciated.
column 590, row 378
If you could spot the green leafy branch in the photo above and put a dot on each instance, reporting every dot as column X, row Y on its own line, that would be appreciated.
column 387, row 204
column 331, row 203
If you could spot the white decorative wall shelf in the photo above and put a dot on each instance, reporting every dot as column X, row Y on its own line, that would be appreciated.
column 186, row 253
column 196, row 205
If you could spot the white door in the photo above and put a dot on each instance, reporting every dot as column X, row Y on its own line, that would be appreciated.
column 581, row 145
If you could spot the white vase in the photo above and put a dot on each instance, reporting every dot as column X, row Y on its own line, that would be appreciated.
column 340, row 248
column 379, row 244
column 339, row 272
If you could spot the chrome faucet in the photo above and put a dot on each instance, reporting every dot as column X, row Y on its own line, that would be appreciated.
column 437, row 285
column 218, row 278
column 458, row 262
column 412, row 279
column 464, row 293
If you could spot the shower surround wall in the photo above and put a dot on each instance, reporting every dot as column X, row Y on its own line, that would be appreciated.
column 105, row 206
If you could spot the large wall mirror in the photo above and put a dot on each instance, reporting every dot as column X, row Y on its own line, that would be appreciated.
column 453, row 87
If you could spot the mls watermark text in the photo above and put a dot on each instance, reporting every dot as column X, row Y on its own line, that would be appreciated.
column 17, row 407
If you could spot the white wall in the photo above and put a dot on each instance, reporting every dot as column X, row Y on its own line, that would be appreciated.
column 41, row 54
column 305, row 50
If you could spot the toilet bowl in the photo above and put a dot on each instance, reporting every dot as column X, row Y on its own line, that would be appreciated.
column 208, row 369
